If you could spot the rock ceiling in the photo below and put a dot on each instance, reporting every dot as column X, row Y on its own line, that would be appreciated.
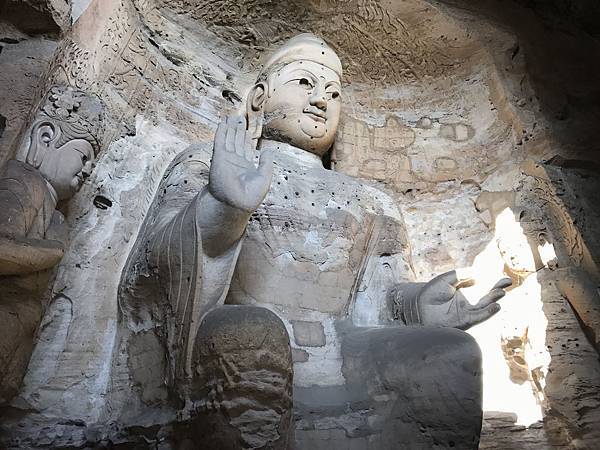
column 382, row 42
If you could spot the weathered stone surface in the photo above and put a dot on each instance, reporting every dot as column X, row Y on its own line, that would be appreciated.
column 462, row 101
column 244, row 383
column 38, row 16
column 308, row 334
column 33, row 235
column 23, row 62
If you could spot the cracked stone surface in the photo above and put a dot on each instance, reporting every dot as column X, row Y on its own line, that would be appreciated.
column 481, row 138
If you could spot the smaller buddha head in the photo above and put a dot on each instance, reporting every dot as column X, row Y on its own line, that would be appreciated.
column 64, row 141
column 297, row 96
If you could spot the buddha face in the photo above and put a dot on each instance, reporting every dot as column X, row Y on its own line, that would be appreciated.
column 68, row 166
column 302, row 105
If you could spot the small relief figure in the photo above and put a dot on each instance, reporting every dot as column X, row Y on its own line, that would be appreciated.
column 63, row 143
column 263, row 250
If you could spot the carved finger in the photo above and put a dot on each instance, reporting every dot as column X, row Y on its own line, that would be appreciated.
column 230, row 136
column 491, row 297
column 440, row 289
column 220, row 136
column 250, row 147
column 480, row 315
column 448, row 277
column 503, row 283
column 240, row 136
column 436, row 292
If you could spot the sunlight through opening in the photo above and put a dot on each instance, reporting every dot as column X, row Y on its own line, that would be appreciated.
column 513, row 343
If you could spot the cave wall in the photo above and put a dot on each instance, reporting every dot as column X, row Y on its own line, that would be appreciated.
column 479, row 120
column 29, row 35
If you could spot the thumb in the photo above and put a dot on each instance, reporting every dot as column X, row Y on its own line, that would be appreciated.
column 437, row 292
column 265, row 164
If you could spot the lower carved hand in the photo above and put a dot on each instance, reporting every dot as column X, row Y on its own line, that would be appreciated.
column 441, row 303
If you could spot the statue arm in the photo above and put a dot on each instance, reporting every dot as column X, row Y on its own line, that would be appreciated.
column 20, row 256
column 221, row 225
column 193, row 256
column 219, row 209
column 236, row 186
column 26, row 246
column 194, row 249
column 438, row 303
column 402, row 303
column 204, row 228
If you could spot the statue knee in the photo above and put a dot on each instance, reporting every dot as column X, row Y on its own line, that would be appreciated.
column 447, row 345
column 242, row 329
column 453, row 352
column 459, row 347
column 242, row 372
column 233, row 340
column 427, row 378
column 404, row 352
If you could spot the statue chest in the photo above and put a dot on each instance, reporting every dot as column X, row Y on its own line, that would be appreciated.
column 305, row 245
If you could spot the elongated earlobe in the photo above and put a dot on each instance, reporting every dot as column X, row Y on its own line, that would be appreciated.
column 257, row 96
column 254, row 109
column 42, row 135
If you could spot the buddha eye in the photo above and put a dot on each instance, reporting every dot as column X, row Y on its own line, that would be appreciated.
column 335, row 95
column 304, row 82
column 84, row 159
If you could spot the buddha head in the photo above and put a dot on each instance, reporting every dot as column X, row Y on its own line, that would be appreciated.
column 64, row 141
column 297, row 96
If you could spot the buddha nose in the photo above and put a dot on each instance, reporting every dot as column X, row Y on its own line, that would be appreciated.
column 318, row 98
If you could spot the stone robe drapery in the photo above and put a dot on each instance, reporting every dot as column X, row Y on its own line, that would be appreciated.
column 322, row 248
column 169, row 283
column 32, row 240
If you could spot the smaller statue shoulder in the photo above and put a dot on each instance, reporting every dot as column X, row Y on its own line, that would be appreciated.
column 24, row 173
column 369, row 196
column 24, row 184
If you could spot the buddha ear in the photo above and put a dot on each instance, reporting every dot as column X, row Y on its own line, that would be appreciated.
column 254, row 109
column 42, row 135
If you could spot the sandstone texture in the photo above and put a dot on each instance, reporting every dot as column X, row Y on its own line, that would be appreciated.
column 476, row 123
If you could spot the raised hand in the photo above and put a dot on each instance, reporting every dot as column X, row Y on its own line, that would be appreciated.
column 234, row 178
column 441, row 303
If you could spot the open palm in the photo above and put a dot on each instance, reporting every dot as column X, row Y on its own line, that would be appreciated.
column 440, row 302
column 234, row 178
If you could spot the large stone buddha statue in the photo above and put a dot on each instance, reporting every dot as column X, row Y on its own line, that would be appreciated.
column 262, row 273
